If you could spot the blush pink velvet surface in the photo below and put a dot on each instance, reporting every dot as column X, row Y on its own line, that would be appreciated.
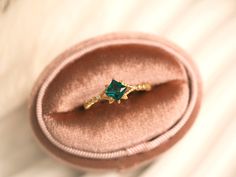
column 139, row 125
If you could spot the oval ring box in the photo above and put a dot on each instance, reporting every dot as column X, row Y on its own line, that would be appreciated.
column 115, row 136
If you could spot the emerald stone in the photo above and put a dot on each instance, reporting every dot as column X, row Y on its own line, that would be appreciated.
column 115, row 90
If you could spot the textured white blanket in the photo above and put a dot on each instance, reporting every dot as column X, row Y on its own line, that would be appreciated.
column 32, row 33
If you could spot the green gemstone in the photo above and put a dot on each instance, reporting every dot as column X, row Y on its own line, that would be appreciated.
column 115, row 90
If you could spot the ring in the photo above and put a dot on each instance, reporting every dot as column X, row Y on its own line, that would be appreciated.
column 116, row 91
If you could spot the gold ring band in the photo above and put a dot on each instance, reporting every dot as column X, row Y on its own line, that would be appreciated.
column 117, row 91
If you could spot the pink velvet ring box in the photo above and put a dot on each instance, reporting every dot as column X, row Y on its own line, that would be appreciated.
column 115, row 136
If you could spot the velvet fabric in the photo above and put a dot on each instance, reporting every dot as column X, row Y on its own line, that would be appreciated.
column 116, row 135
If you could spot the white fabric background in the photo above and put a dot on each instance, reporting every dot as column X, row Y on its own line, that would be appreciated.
column 33, row 32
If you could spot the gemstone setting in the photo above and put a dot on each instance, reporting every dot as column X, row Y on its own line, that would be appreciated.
column 115, row 90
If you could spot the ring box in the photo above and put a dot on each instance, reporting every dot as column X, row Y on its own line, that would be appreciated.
column 115, row 136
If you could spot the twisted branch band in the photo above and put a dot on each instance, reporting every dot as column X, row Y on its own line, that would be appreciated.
column 117, row 91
